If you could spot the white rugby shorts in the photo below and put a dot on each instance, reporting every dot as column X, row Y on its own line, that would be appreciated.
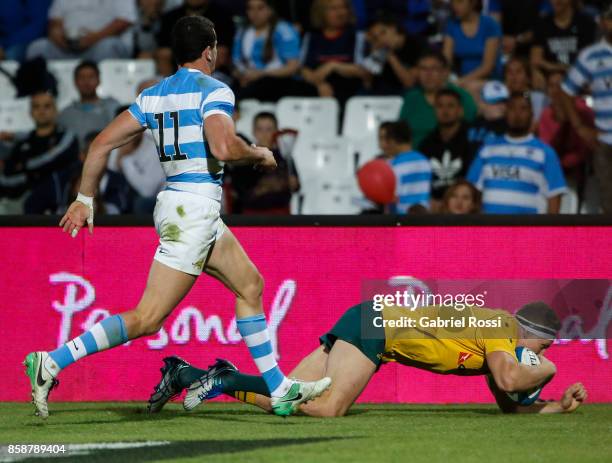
column 187, row 225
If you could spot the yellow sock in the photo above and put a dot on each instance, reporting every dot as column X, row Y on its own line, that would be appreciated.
column 246, row 397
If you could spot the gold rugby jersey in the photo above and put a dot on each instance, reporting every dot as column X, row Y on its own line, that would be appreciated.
column 445, row 340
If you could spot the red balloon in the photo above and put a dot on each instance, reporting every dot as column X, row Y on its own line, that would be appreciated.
column 377, row 181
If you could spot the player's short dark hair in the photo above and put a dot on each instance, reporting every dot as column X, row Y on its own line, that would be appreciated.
column 386, row 19
column 192, row 35
column 85, row 65
column 399, row 131
column 538, row 317
column 434, row 54
column 265, row 115
column 451, row 93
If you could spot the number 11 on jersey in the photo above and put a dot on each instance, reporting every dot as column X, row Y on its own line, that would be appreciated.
column 177, row 156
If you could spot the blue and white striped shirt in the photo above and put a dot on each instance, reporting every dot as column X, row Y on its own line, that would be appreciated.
column 413, row 172
column 517, row 175
column 594, row 68
column 175, row 110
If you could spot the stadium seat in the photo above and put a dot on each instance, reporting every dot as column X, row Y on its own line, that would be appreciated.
column 332, row 157
column 120, row 78
column 569, row 202
column 326, row 167
column 362, row 118
column 7, row 89
column 327, row 196
column 15, row 115
column 312, row 117
column 63, row 70
column 248, row 110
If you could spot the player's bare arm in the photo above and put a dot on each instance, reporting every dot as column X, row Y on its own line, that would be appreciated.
column 574, row 396
column 510, row 376
column 119, row 132
column 226, row 146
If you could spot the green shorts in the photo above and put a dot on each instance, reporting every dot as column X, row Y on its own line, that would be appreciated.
column 350, row 328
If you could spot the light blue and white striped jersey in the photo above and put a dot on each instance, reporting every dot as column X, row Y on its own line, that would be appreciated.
column 594, row 68
column 517, row 175
column 175, row 111
column 413, row 173
column 249, row 48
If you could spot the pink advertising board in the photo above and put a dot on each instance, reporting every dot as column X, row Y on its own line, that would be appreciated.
column 52, row 288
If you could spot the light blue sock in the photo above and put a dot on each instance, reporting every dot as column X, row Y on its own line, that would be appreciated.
column 108, row 333
column 254, row 331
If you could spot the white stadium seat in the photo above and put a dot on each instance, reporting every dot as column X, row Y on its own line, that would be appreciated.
column 364, row 115
column 327, row 196
column 362, row 119
column 15, row 115
column 248, row 110
column 63, row 70
column 120, row 77
column 332, row 157
column 312, row 117
column 326, row 167
column 7, row 89
column 569, row 202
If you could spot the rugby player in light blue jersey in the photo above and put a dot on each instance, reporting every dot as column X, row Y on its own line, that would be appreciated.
column 189, row 114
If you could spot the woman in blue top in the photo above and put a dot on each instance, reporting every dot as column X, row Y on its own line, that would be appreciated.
column 266, row 54
column 472, row 42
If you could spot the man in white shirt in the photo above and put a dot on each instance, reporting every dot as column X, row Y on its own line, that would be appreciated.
column 80, row 29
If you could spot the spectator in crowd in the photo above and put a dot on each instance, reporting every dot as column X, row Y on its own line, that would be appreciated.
column 491, row 123
column 46, row 149
column 79, row 29
column 266, row 55
column 393, row 57
column 594, row 69
column 448, row 147
column 556, row 130
column 114, row 194
column 418, row 107
column 412, row 169
column 91, row 113
column 462, row 198
column 333, row 51
column 264, row 192
column 414, row 15
column 20, row 24
column 224, row 27
column 559, row 37
column 518, row 19
column 472, row 43
column 518, row 173
column 147, row 27
column 518, row 79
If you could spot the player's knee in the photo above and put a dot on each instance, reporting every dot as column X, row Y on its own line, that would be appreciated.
column 327, row 408
column 253, row 289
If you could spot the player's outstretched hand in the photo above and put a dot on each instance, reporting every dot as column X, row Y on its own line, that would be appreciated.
column 268, row 163
column 573, row 397
column 78, row 213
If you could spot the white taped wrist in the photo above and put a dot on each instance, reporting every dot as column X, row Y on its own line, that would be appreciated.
column 89, row 202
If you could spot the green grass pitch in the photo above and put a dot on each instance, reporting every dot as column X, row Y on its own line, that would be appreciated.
column 371, row 433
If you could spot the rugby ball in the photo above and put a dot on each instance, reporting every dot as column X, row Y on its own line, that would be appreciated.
column 526, row 357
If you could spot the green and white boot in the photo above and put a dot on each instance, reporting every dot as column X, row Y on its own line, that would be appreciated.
column 41, row 380
column 300, row 392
